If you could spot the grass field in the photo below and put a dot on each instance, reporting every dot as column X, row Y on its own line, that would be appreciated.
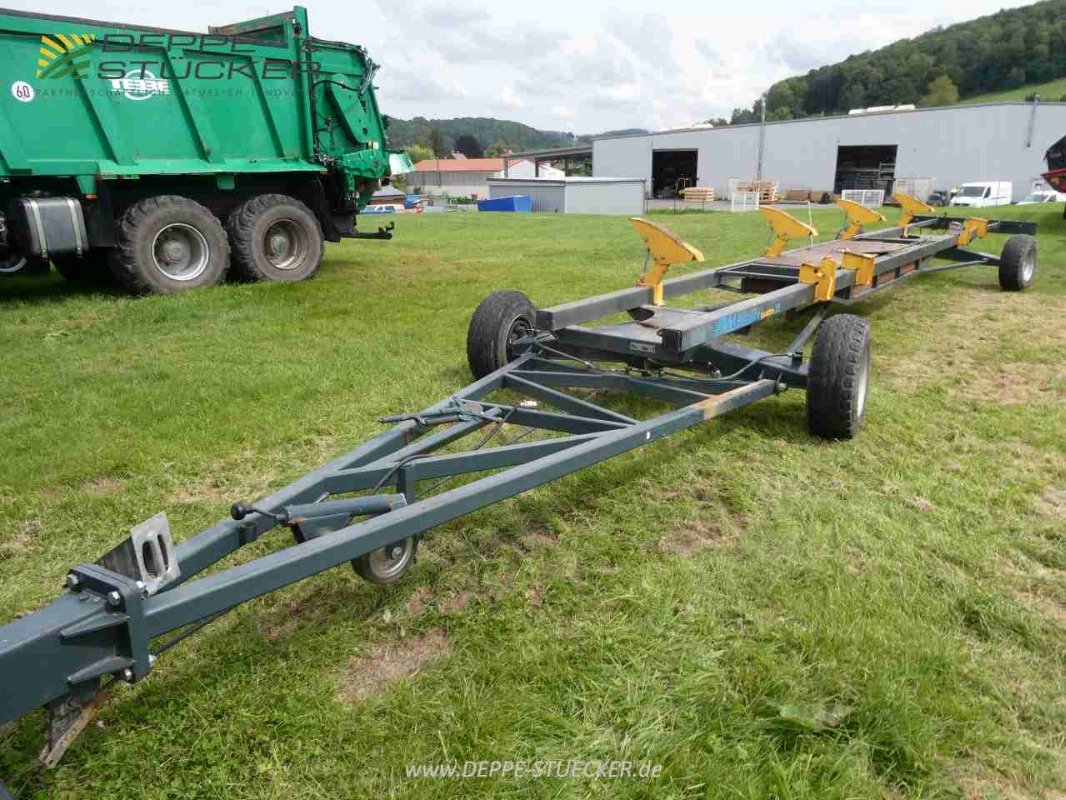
column 1051, row 91
column 762, row 613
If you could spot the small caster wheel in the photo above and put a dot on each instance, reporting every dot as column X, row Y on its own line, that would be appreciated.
column 1017, row 263
column 502, row 319
column 388, row 564
column 838, row 377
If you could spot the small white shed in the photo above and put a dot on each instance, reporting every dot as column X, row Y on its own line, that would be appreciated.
column 575, row 195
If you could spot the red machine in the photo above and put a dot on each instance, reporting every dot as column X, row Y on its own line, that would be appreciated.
column 1056, row 167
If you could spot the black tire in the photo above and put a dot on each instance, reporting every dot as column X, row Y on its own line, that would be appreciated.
column 1017, row 263
column 90, row 268
column 16, row 264
column 169, row 244
column 501, row 318
column 838, row 377
column 379, row 567
column 274, row 237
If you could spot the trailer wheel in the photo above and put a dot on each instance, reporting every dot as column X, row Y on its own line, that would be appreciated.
column 1017, row 263
column 388, row 564
column 274, row 237
column 838, row 377
column 502, row 318
column 169, row 244
column 92, row 267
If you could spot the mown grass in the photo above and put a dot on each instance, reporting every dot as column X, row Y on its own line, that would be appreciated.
column 762, row 613
column 1051, row 91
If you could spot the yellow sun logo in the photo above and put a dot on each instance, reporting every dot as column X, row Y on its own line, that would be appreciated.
column 65, row 54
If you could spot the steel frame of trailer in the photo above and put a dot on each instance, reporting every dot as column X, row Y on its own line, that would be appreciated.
column 109, row 622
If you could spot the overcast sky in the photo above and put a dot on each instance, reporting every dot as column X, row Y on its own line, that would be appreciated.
column 575, row 65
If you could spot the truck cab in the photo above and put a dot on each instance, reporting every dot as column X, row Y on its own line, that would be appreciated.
column 981, row 194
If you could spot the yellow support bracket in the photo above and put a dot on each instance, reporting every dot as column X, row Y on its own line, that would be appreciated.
column 823, row 276
column 973, row 228
column 666, row 249
column 862, row 264
column 858, row 215
column 785, row 227
column 912, row 207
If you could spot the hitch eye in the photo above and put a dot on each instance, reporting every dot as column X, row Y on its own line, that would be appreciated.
column 154, row 558
column 154, row 549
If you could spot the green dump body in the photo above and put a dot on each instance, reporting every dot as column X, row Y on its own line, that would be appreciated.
column 88, row 106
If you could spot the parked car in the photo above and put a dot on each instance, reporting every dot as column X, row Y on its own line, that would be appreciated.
column 984, row 193
column 1042, row 196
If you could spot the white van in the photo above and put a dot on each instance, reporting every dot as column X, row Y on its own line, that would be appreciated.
column 984, row 193
column 1042, row 196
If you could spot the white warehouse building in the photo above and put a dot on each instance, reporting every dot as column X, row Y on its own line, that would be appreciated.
column 947, row 146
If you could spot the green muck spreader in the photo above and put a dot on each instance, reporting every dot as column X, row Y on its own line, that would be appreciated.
column 371, row 506
column 166, row 159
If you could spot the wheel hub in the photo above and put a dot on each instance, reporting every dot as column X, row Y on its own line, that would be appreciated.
column 180, row 252
column 11, row 262
column 175, row 252
column 285, row 244
column 280, row 244
column 520, row 329
column 387, row 563
column 1028, row 265
column 863, row 384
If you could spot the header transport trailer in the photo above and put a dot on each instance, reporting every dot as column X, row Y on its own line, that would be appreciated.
column 534, row 420
column 167, row 158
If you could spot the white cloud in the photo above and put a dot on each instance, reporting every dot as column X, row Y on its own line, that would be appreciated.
column 448, row 15
column 597, row 65
column 509, row 97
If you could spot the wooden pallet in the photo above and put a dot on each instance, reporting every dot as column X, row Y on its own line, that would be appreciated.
column 698, row 194
column 767, row 190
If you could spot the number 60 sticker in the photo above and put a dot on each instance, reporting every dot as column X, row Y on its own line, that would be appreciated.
column 22, row 91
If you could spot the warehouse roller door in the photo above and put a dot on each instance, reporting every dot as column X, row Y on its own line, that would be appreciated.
column 868, row 166
column 672, row 171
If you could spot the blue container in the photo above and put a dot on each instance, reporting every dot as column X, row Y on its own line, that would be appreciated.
column 412, row 200
column 518, row 202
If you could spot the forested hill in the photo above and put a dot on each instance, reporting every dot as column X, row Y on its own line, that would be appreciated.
column 996, row 53
column 488, row 131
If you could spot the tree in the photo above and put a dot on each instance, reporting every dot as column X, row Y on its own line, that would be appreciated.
column 742, row 116
column 436, row 143
column 469, row 146
column 419, row 152
column 498, row 148
column 998, row 52
column 941, row 91
column 718, row 122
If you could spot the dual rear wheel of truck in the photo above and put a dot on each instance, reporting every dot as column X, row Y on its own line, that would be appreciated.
column 169, row 243
column 274, row 237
